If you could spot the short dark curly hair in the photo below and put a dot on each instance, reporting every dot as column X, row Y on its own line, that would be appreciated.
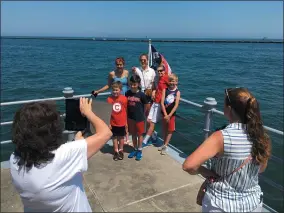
column 36, row 131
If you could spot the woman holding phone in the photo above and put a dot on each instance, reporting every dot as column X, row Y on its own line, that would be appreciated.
column 46, row 171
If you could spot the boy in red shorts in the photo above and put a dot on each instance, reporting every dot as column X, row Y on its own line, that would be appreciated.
column 118, row 120
column 169, row 104
column 136, row 116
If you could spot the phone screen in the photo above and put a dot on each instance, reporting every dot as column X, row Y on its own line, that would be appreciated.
column 74, row 121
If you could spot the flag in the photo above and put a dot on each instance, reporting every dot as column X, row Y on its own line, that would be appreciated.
column 157, row 58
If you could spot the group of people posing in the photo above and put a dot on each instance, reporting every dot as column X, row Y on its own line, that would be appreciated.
column 47, row 171
column 143, row 96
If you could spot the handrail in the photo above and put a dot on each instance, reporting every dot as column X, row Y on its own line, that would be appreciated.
column 48, row 99
column 107, row 93
column 265, row 127
column 274, row 158
column 190, row 102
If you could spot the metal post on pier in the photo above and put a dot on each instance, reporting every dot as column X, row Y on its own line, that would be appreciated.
column 68, row 92
column 209, row 104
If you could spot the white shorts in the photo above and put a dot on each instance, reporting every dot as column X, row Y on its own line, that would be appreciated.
column 155, row 114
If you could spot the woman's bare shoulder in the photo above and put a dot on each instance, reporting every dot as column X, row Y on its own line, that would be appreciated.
column 125, row 72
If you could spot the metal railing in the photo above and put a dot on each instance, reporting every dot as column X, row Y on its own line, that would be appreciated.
column 208, row 108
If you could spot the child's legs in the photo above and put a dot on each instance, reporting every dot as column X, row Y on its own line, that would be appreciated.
column 140, row 141
column 165, row 130
column 121, row 142
column 134, row 140
column 170, row 129
column 153, row 117
column 115, row 144
column 168, row 138
column 133, row 131
column 140, row 129
column 151, row 129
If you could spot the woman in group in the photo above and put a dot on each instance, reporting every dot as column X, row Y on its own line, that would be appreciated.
column 238, row 153
column 119, row 74
column 47, row 172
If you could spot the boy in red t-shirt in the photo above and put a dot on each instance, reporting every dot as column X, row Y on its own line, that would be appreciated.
column 155, row 111
column 118, row 120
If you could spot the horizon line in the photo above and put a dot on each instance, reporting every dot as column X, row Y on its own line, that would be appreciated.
column 134, row 37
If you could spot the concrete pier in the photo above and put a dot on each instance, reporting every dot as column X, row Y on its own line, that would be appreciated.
column 155, row 184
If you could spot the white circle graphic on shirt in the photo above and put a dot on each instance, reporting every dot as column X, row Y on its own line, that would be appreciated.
column 116, row 107
column 170, row 99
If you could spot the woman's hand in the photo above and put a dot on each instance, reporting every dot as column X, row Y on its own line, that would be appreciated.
column 85, row 106
column 95, row 92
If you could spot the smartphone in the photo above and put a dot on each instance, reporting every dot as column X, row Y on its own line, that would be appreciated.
column 74, row 121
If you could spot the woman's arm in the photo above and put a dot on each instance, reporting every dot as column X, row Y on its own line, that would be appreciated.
column 103, row 133
column 212, row 146
column 176, row 104
column 106, row 87
column 163, row 102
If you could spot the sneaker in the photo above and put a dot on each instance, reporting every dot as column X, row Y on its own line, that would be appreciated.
column 115, row 156
column 154, row 137
column 164, row 150
column 132, row 154
column 120, row 155
column 139, row 155
column 149, row 143
column 160, row 148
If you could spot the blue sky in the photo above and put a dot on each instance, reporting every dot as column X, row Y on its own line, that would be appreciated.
column 184, row 19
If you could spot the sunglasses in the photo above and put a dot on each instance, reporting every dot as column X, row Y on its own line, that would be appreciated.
column 227, row 94
column 160, row 70
column 230, row 89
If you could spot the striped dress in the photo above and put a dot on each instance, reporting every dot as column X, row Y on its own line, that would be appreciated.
column 239, row 192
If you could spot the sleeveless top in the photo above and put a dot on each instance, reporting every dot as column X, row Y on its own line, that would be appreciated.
column 170, row 100
column 124, row 82
column 240, row 191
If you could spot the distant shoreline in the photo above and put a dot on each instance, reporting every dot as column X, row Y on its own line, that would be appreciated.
column 153, row 40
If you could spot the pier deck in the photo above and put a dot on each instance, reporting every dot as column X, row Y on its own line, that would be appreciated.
column 155, row 184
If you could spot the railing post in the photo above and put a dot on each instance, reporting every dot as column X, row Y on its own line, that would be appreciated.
column 209, row 104
column 68, row 92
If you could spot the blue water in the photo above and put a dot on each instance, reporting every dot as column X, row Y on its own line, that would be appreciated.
column 42, row 68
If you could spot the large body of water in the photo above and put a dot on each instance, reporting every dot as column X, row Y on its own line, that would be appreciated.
column 42, row 68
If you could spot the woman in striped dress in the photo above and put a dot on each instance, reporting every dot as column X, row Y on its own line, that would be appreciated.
column 227, row 150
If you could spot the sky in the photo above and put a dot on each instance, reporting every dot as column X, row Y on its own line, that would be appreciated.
column 154, row 19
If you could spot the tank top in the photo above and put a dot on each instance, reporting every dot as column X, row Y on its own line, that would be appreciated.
column 170, row 100
column 239, row 192
column 124, row 82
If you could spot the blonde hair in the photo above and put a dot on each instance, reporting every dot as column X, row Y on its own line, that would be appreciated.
column 173, row 76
